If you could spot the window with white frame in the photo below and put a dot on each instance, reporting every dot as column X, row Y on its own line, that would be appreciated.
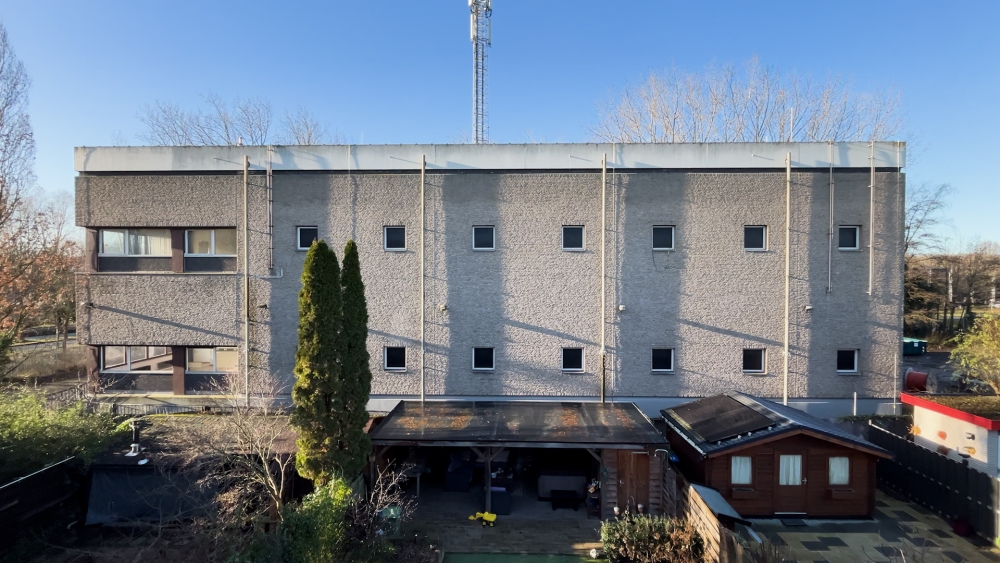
column 754, row 360
column 394, row 238
column 305, row 236
column 212, row 360
column 156, row 359
column 572, row 237
column 482, row 238
column 135, row 242
column 663, row 237
column 662, row 359
column 210, row 242
column 847, row 361
column 849, row 238
column 394, row 358
column 482, row 359
column 840, row 470
column 572, row 359
column 741, row 470
column 754, row 237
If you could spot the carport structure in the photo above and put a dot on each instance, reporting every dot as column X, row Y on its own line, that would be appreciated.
column 618, row 435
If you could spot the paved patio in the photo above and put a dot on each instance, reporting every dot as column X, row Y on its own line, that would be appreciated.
column 532, row 527
column 923, row 537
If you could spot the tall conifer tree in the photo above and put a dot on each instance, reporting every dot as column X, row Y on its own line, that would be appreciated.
column 317, row 390
column 356, row 375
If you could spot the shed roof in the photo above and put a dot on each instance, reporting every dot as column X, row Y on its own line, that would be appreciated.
column 722, row 423
column 517, row 424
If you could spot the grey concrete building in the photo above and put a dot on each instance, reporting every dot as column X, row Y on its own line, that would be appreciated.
column 645, row 273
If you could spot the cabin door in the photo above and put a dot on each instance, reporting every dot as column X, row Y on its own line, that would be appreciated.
column 790, row 489
column 633, row 480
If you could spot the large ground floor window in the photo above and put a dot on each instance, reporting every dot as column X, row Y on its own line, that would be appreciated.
column 137, row 358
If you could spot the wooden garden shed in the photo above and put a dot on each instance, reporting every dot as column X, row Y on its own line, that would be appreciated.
column 767, row 459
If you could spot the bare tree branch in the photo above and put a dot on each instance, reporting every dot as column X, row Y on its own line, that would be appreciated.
column 753, row 104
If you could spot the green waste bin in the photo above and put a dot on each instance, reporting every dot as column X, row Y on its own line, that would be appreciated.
column 914, row 347
column 390, row 521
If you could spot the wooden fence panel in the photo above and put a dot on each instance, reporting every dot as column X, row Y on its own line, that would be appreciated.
column 943, row 485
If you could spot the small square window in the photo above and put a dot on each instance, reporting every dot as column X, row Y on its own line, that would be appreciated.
column 755, row 237
column 741, row 470
column 847, row 361
column 663, row 238
column 572, row 238
column 306, row 236
column 395, row 238
column 482, row 359
column 663, row 359
column 572, row 359
column 849, row 238
column 753, row 360
column 482, row 238
column 840, row 470
column 395, row 357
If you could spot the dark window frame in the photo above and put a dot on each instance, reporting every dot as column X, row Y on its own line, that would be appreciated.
column 298, row 236
column 857, row 237
column 493, row 359
column 563, row 359
column 385, row 358
column 385, row 238
column 763, row 360
column 854, row 360
column 583, row 239
column 652, row 360
column 763, row 247
column 493, row 238
column 672, row 237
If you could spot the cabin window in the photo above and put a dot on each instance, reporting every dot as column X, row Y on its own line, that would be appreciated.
column 790, row 470
column 742, row 470
column 840, row 471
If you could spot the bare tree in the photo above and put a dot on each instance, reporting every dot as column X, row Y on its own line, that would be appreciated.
column 245, row 121
column 752, row 104
column 923, row 297
column 247, row 452
column 22, row 222
column 302, row 128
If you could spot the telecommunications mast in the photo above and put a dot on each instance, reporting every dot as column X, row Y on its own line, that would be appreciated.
column 479, row 31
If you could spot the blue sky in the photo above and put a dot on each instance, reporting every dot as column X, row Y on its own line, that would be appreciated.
column 400, row 72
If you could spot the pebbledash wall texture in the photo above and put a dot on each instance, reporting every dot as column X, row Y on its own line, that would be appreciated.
column 708, row 298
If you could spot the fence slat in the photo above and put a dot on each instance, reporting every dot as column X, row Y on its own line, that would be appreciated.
column 943, row 485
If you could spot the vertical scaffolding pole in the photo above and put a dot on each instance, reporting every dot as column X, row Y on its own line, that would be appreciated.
column 604, row 310
column 246, row 277
column 871, row 223
column 788, row 273
column 423, row 226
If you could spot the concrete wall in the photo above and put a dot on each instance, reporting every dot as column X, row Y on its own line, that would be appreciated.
column 708, row 299
column 956, row 439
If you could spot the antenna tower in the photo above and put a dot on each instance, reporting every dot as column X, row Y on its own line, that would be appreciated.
column 480, row 32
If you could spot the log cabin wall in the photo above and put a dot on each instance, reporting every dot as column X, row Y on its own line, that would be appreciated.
column 857, row 498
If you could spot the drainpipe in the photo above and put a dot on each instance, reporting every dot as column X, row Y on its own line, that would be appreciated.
column 423, row 173
column 246, row 277
column 788, row 247
column 829, row 251
column 871, row 221
column 270, row 212
column 604, row 311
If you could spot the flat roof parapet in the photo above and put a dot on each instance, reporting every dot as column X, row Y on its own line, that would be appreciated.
column 558, row 156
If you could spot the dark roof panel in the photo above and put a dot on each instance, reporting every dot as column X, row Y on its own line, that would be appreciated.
column 514, row 423
column 734, row 429
column 720, row 417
